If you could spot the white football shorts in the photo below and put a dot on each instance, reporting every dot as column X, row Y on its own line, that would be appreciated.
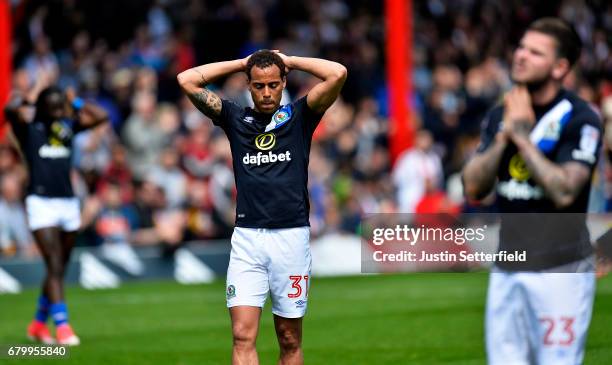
column 45, row 212
column 277, row 261
column 539, row 317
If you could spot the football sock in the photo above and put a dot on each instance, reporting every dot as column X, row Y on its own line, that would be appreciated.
column 59, row 313
column 42, row 310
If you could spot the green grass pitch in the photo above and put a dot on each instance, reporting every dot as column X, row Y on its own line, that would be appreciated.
column 378, row 319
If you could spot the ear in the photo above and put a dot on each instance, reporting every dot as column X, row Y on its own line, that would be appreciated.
column 561, row 68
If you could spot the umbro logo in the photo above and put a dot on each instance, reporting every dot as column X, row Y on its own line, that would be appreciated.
column 248, row 120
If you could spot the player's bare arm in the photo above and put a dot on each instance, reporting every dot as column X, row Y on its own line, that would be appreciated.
column 16, row 110
column 562, row 183
column 20, row 107
column 92, row 115
column 332, row 74
column 480, row 173
column 194, row 83
column 89, row 115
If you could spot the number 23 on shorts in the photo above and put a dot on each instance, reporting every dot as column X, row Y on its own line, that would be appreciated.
column 296, row 285
column 565, row 325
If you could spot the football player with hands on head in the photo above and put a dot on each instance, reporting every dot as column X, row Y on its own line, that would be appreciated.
column 270, row 146
column 44, row 123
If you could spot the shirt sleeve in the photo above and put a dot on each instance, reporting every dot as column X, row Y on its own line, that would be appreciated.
column 20, row 130
column 582, row 139
column 311, row 119
column 488, row 129
column 605, row 243
column 228, row 111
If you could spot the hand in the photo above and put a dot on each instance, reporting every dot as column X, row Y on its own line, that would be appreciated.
column 244, row 62
column 70, row 94
column 285, row 58
column 519, row 117
column 603, row 263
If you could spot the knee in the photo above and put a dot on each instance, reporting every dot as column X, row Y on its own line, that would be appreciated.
column 289, row 340
column 243, row 336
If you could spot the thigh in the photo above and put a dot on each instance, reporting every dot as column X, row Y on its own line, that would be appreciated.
column 68, row 240
column 247, row 277
column 289, row 270
column 49, row 243
column 505, row 323
column 560, row 310
column 245, row 322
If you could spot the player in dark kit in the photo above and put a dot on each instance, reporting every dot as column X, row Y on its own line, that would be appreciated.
column 53, row 210
column 539, row 150
column 270, row 147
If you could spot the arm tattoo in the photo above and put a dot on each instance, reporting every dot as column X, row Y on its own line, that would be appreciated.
column 207, row 102
column 522, row 127
column 562, row 183
column 480, row 173
column 204, row 82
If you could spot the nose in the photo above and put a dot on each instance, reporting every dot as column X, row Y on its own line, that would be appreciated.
column 520, row 54
column 266, row 92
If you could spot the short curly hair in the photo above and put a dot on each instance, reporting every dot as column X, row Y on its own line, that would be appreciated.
column 265, row 58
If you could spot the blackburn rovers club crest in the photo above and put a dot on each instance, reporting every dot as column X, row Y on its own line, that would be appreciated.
column 282, row 116
column 231, row 291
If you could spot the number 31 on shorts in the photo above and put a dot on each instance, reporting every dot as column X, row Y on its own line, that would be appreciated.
column 296, row 285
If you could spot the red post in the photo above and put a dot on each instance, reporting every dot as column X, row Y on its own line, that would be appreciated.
column 5, row 60
column 398, row 15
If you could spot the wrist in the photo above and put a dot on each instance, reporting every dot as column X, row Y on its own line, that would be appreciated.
column 242, row 64
column 501, row 139
column 521, row 141
column 521, row 126
column 289, row 62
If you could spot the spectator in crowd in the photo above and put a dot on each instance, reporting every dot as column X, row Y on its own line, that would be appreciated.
column 118, row 172
column 42, row 59
column 114, row 224
column 417, row 172
column 144, row 134
column 14, row 234
column 197, row 159
column 169, row 176
column 200, row 224
column 154, row 223
column 93, row 149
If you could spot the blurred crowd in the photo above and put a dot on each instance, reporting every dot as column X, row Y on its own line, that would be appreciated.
column 160, row 172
